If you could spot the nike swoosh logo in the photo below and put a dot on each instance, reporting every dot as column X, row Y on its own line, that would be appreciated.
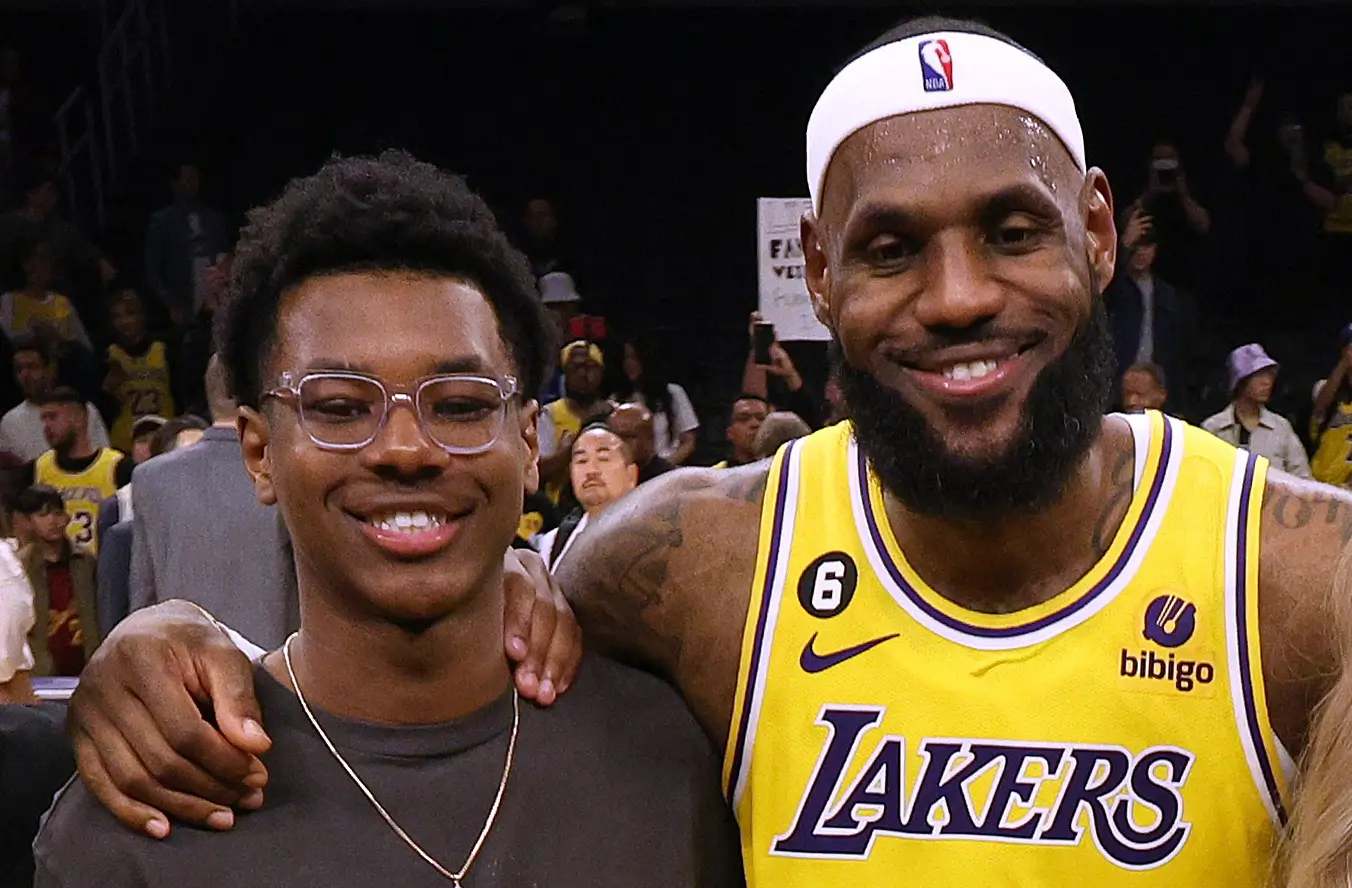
column 813, row 662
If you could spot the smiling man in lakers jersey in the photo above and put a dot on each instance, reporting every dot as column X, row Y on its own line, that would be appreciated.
column 980, row 635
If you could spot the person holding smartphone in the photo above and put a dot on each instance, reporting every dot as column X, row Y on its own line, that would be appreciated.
column 771, row 374
column 1179, row 220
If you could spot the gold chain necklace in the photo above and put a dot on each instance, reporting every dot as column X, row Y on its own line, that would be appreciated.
column 456, row 877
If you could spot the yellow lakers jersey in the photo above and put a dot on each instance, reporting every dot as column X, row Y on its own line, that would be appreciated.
column 1332, row 461
column 566, row 423
column 55, row 312
column 1116, row 734
column 82, row 493
column 144, row 390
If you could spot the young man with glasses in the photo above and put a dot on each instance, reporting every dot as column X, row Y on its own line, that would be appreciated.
column 379, row 356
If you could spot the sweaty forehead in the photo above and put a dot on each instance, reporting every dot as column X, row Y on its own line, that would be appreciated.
column 975, row 145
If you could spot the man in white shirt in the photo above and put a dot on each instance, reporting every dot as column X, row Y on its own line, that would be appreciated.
column 16, row 621
column 21, row 428
column 602, row 470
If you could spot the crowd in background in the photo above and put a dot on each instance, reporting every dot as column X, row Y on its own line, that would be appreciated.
column 111, row 370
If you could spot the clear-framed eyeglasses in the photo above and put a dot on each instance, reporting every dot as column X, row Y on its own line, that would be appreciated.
column 339, row 410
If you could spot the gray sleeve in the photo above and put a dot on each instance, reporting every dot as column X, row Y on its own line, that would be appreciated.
column 1297, row 463
column 141, row 590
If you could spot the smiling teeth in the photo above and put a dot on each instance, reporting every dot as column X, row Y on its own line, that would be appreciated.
column 972, row 370
column 408, row 522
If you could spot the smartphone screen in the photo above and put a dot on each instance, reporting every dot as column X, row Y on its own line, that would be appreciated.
column 763, row 338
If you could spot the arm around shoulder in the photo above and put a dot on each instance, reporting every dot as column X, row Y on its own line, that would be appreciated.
column 663, row 580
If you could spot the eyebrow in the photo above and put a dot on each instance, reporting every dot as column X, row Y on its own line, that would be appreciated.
column 1016, row 197
column 462, row 364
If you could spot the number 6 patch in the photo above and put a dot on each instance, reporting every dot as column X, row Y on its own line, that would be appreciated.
column 827, row 586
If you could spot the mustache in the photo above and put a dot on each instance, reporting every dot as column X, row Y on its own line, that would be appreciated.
column 939, row 338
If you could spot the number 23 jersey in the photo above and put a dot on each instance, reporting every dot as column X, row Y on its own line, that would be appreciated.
column 1116, row 734
column 144, row 391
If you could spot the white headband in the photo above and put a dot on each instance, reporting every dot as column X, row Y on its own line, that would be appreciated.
column 940, row 70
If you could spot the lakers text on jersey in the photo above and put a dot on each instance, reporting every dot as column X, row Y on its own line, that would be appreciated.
column 1116, row 734
column 82, row 492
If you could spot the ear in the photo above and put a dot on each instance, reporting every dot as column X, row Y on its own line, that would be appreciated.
column 818, row 271
column 633, row 473
column 254, row 436
column 1096, row 201
column 530, row 436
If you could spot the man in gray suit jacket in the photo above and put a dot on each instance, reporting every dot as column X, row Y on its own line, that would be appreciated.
column 200, row 533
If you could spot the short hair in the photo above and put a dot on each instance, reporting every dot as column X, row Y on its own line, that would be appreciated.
column 928, row 24
column 167, row 437
column 28, row 340
column 385, row 213
column 602, row 427
column 1155, row 371
column 749, row 396
column 778, row 429
column 61, row 394
column 38, row 498
column 125, row 292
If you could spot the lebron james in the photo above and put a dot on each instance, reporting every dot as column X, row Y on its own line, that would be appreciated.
column 979, row 635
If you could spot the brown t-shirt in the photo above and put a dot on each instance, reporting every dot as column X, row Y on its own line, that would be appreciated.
column 613, row 786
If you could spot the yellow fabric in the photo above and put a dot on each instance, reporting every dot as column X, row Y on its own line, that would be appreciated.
column 144, row 392
column 1332, row 461
column 55, row 312
column 1339, row 159
column 566, row 424
column 883, row 736
column 82, row 493
column 593, row 352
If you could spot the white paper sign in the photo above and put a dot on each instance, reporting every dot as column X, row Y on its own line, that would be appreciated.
column 784, row 300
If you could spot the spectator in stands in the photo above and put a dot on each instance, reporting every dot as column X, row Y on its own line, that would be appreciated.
column 1152, row 322
column 1179, row 221
column 779, row 429
column 37, row 307
column 201, row 534
column 559, row 295
column 16, row 622
column 138, row 369
column 35, row 366
column 634, row 424
column 1330, row 189
column 184, row 240
column 779, row 382
column 561, row 421
column 540, row 238
column 66, row 627
column 1247, row 422
column 748, row 413
column 602, row 470
column 84, row 474
column 195, row 348
column 80, row 269
column 1144, row 387
column 1331, row 419
column 179, row 433
column 539, row 515
column 645, row 379
column 143, row 435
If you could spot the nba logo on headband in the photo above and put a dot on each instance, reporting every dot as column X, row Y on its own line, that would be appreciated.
column 936, row 66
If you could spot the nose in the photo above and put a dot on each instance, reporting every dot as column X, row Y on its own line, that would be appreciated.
column 402, row 449
column 959, row 290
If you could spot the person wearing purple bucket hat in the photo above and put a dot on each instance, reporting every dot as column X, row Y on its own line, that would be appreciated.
column 1247, row 422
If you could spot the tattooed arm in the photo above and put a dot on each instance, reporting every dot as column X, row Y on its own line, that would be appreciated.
column 663, row 580
column 1305, row 527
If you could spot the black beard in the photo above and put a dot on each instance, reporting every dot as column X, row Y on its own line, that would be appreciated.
column 1061, row 419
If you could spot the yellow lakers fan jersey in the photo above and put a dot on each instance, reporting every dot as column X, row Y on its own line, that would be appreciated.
column 566, row 424
column 55, row 312
column 144, row 391
column 1332, row 461
column 82, row 493
column 1116, row 734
